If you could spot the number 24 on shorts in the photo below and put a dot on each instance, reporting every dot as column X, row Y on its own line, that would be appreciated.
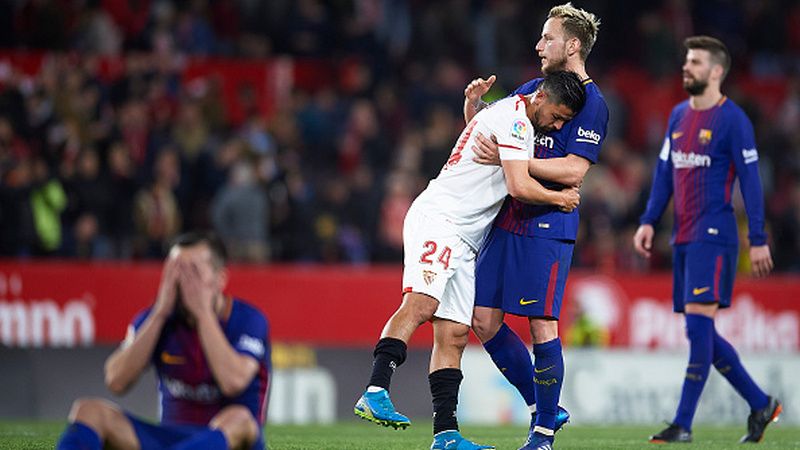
column 430, row 249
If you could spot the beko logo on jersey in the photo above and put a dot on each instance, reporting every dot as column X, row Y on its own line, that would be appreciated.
column 750, row 155
column 543, row 141
column 589, row 136
column 683, row 160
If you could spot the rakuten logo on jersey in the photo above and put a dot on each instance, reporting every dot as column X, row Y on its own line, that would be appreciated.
column 683, row 160
column 204, row 393
column 589, row 136
column 42, row 322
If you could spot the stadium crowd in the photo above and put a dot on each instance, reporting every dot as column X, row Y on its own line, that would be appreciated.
column 112, row 164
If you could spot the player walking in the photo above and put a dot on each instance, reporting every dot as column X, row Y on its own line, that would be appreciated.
column 708, row 144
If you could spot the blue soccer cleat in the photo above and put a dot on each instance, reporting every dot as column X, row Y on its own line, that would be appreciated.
column 538, row 443
column 452, row 440
column 377, row 407
column 535, row 442
column 562, row 418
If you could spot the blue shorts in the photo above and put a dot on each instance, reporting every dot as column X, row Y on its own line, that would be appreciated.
column 155, row 436
column 522, row 275
column 703, row 272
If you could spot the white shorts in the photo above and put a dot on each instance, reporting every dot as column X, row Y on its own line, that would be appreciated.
column 438, row 263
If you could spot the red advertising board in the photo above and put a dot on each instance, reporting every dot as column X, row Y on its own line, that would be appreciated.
column 66, row 303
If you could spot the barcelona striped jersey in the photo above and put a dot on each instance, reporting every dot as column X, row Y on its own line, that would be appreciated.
column 703, row 153
column 188, row 392
column 582, row 136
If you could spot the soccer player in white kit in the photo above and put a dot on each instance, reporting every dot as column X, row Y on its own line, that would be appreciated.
column 442, row 233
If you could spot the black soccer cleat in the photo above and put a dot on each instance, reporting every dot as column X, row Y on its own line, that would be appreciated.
column 673, row 433
column 758, row 420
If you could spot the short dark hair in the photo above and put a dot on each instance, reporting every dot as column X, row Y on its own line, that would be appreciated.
column 564, row 87
column 218, row 253
column 719, row 52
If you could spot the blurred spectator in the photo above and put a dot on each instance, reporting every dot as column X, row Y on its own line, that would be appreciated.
column 156, row 211
column 90, row 204
column 123, row 188
column 47, row 201
column 240, row 214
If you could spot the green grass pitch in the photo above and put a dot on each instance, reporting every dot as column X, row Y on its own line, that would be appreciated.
column 365, row 436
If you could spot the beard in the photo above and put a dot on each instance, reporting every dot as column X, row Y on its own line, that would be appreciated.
column 539, row 129
column 555, row 65
column 695, row 87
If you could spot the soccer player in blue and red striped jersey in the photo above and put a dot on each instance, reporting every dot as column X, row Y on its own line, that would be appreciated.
column 211, row 354
column 709, row 143
column 523, row 265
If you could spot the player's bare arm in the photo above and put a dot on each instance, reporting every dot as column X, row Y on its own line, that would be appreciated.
column 568, row 170
column 761, row 260
column 127, row 363
column 232, row 370
column 525, row 189
column 472, row 96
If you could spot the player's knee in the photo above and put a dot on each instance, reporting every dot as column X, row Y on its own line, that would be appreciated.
column 458, row 336
column 543, row 330
column 92, row 412
column 237, row 424
column 482, row 326
column 419, row 308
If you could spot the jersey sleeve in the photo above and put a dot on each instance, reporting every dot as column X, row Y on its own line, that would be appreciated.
column 513, row 132
column 745, row 159
column 661, row 189
column 135, row 325
column 589, row 129
column 252, row 336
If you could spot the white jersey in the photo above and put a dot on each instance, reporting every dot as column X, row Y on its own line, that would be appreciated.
column 467, row 194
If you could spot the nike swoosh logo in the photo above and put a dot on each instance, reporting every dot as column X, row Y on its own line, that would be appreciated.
column 172, row 360
column 698, row 291
column 543, row 370
column 524, row 302
column 677, row 134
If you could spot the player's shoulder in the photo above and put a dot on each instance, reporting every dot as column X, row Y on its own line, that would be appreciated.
column 730, row 108
column 528, row 87
column 593, row 92
column 595, row 109
column 508, row 109
column 242, row 309
column 680, row 108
